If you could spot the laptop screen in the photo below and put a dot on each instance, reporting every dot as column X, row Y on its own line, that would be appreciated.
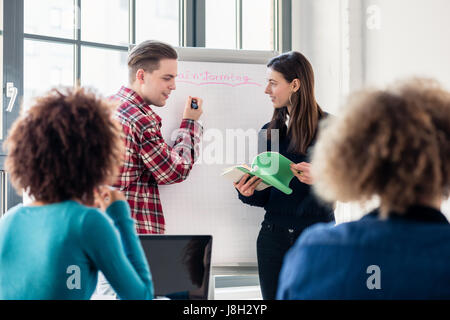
column 180, row 265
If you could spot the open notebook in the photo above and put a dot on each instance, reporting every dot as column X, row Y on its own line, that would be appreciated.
column 272, row 167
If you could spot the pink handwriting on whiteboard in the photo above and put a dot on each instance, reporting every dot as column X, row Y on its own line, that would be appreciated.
column 209, row 78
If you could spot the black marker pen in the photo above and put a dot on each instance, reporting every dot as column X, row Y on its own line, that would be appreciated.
column 194, row 104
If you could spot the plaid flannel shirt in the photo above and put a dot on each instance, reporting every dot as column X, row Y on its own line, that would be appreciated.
column 149, row 161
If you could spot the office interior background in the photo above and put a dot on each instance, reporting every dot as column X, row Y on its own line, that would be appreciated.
column 351, row 44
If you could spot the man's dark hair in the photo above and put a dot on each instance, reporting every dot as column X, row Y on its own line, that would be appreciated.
column 64, row 146
column 147, row 56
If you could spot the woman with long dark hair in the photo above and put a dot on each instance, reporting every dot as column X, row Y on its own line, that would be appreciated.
column 293, row 130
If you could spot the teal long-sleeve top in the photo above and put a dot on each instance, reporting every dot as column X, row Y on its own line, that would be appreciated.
column 55, row 252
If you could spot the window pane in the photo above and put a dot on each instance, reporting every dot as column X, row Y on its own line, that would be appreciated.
column 257, row 24
column 1, row 64
column 55, row 18
column 46, row 65
column 103, row 69
column 158, row 20
column 220, row 24
column 105, row 21
column 1, row 59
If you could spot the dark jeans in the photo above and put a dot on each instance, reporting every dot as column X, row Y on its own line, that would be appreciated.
column 272, row 244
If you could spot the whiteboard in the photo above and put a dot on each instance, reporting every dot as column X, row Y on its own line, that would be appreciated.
column 234, row 109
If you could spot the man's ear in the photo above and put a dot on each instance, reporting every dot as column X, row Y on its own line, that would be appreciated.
column 295, row 85
column 140, row 76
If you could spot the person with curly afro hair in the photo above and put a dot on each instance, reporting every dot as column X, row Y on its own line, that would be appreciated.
column 392, row 146
column 63, row 152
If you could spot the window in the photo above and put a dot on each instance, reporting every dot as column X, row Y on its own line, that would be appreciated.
column 258, row 24
column 158, row 20
column 103, row 69
column 46, row 65
column 241, row 24
column 55, row 18
column 220, row 24
column 86, row 41
column 105, row 21
column 71, row 41
column 1, row 73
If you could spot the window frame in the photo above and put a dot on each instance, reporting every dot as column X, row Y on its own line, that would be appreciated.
column 191, row 34
column 12, row 32
column 191, row 29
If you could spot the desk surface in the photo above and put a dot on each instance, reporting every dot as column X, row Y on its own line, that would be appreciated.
column 227, row 283
column 234, row 270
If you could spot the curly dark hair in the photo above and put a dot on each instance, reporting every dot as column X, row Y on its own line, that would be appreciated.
column 392, row 144
column 64, row 146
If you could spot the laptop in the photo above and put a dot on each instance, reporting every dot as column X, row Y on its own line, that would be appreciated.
column 180, row 265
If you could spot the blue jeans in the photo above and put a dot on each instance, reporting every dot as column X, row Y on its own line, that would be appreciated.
column 272, row 244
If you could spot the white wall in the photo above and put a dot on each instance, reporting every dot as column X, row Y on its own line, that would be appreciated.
column 321, row 31
column 354, row 43
column 413, row 39
column 316, row 33
column 357, row 43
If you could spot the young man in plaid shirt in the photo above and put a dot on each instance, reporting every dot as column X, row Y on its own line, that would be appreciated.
column 149, row 161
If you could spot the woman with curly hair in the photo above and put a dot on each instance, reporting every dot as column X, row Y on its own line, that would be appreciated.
column 394, row 146
column 62, row 152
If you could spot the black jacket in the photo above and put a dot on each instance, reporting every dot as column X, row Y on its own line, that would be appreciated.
column 299, row 209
